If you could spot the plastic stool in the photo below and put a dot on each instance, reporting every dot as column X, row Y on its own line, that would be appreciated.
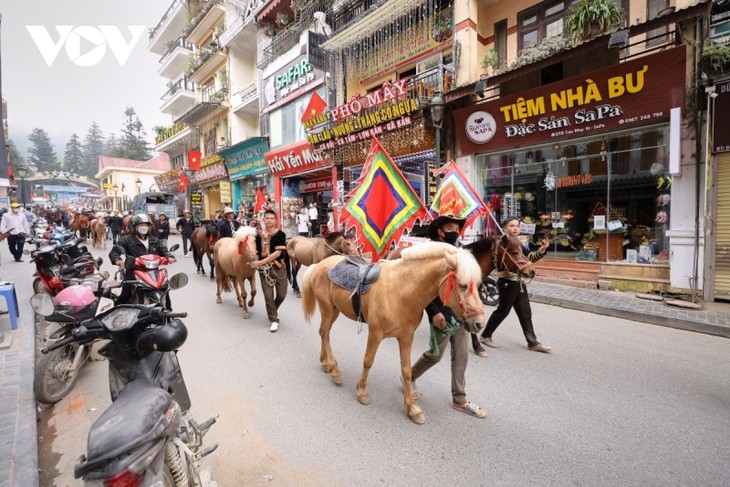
column 7, row 290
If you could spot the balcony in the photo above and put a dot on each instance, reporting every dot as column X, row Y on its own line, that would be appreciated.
column 426, row 84
column 209, row 16
column 174, row 60
column 241, row 36
column 286, row 37
column 180, row 97
column 169, row 27
column 172, row 136
column 246, row 101
column 207, row 62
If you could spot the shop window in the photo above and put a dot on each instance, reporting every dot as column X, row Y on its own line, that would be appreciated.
column 210, row 142
column 207, row 89
column 658, row 35
column 541, row 22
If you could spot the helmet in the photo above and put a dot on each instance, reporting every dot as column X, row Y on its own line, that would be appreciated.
column 164, row 338
column 76, row 301
column 137, row 219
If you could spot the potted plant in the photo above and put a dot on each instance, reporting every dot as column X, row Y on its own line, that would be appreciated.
column 490, row 60
column 717, row 56
column 282, row 19
column 589, row 18
column 269, row 30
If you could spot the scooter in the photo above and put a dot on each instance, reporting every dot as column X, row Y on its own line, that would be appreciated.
column 147, row 437
column 151, row 285
column 488, row 291
column 57, row 264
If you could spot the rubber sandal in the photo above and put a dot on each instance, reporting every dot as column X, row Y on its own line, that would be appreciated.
column 470, row 409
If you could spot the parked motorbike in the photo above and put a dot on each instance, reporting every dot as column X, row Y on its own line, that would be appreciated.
column 57, row 371
column 488, row 291
column 151, row 285
column 57, row 264
column 147, row 436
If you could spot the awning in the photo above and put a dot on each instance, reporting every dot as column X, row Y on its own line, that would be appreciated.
column 267, row 9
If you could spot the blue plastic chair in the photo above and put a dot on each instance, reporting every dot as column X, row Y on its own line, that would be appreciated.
column 7, row 290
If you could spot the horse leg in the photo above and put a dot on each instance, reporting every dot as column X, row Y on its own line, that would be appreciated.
column 218, row 292
column 210, row 261
column 241, row 291
column 412, row 409
column 196, row 259
column 326, row 355
column 374, row 340
column 294, row 271
column 252, row 281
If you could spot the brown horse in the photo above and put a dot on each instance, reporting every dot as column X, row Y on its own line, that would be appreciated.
column 309, row 251
column 232, row 257
column 98, row 232
column 203, row 240
column 80, row 223
column 393, row 307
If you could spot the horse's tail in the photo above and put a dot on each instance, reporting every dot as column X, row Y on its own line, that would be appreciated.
column 221, row 277
column 309, row 301
column 194, row 249
column 287, row 262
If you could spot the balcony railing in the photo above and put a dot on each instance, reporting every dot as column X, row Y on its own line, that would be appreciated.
column 179, row 42
column 288, row 36
column 202, row 56
column 166, row 17
column 216, row 97
column 201, row 14
column 181, row 84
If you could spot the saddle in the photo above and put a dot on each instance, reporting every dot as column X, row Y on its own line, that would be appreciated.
column 356, row 275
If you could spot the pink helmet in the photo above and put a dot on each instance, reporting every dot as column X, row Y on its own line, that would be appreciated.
column 74, row 300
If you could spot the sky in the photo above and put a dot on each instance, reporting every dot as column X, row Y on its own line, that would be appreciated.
column 88, row 80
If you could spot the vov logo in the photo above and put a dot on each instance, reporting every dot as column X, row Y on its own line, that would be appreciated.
column 94, row 40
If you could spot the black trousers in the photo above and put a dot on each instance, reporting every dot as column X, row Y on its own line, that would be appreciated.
column 15, row 243
column 512, row 295
column 186, row 239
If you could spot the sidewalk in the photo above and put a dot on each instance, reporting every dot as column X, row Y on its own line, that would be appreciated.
column 18, row 444
column 713, row 320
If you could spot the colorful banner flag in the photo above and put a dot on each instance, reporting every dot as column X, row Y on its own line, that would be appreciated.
column 184, row 182
column 260, row 200
column 315, row 107
column 455, row 195
column 383, row 205
column 194, row 157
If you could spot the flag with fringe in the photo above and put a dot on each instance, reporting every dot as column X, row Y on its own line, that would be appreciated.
column 383, row 205
column 455, row 195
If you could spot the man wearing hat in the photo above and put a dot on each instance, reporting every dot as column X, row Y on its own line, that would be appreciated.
column 229, row 225
column 14, row 226
column 446, row 228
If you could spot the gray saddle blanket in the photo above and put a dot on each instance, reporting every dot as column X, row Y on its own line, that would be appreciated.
column 354, row 274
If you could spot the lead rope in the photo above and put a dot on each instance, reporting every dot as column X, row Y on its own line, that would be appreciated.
column 269, row 280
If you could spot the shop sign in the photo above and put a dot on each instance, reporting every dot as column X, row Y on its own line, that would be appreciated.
column 721, row 124
column 211, row 159
column 167, row 181
column 170, row 132
column 246, row 158
column 210, row 172
column 196, row 199
column 411, row 42
column 225, row 189
column 294, row 158
column 315, row 185
column 637, row 92
column 298, row 76
column 577, row 180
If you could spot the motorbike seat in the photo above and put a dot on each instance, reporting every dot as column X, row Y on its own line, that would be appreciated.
column 137, row 417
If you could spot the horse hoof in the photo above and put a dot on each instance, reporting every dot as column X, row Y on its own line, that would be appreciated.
column 419, row 418
column 326, row 368
column 337, row 377
column 363, row 399
column 250, row 303
column 415, row 413
column 218, row 300
column 246, row 315
column 297, row 293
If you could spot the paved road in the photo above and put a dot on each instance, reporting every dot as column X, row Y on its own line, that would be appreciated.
column 617, row 403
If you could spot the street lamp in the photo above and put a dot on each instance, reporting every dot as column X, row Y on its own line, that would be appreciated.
column 138, row 183
column 22, row 172
column 438, row 107
column 115, row 206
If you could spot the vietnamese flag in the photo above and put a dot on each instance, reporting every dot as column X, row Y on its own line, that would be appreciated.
column 122, row 187
column 260, row 200
column 184, row 182
column 194, row 159
column 315, row 107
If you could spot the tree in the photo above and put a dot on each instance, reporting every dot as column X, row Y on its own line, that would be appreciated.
column 111, row 146
column 73, row 158
column 133, row 143
column 14, row 157
column 93, row 149
column 41, row 153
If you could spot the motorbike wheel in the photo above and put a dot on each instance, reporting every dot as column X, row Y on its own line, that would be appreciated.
column 489, row 293
column 38, row 286
column 54, row 377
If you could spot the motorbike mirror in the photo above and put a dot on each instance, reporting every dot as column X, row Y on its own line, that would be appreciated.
column 178, row 280
column 174, row 247
column 42, row 304
column 67, row 259
column 99, row 261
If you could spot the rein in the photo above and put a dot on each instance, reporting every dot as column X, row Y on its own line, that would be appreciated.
column 467, row 310
column 331, row 248
column 520, row 276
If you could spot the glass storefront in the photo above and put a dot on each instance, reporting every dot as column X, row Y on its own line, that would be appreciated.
column 601, row 198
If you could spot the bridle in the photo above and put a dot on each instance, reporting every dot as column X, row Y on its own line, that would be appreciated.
column 467, row 310
column 506, row 254
column 241, row 249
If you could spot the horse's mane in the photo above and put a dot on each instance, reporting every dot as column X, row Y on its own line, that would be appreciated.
column 332, row 237
column 479, row 247
column 244, row 232
column 467, row 269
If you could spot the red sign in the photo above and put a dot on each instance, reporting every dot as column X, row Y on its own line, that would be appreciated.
column 294, row 158
column 637, row 92
column 315, row 185
column 720, row 125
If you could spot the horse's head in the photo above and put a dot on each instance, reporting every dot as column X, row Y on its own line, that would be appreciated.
column 511, row 258
column 245, row 238
column 483, row 251
column 460, row 289
column 211, row 231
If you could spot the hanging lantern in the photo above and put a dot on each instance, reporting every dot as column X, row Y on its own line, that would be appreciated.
column 550, row 180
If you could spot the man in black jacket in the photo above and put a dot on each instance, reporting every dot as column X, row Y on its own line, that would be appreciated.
column 186, row 226
column 229, row 225
column 115, row 225
column 138, row 243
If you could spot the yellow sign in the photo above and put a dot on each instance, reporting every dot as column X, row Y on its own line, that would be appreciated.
column 108, row 186
column 225, row 189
